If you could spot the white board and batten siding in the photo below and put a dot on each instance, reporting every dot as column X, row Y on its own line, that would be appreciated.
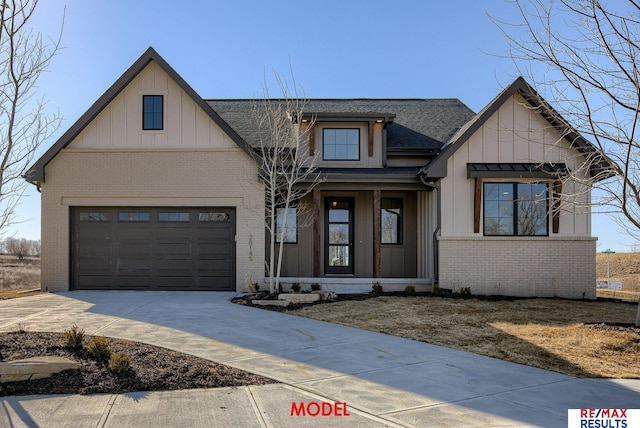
column 186, row 126
column 515, row 133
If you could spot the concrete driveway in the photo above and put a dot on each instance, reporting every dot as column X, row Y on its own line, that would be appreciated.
column 384, row 380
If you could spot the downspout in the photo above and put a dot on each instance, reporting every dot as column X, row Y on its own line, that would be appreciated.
column 436, row 232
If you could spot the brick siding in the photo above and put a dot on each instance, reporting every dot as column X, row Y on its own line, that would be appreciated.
column 520, row 266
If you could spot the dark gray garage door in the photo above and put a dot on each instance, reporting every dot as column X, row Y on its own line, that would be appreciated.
column 153, row 248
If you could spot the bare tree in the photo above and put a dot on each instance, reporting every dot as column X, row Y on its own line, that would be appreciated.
column 24, row 124
column 585, row 56
column 287, row 167
column 21, row 247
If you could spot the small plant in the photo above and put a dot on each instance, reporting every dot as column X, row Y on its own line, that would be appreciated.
column 21, row 328
column 465, row 291
column 295, row 287
column 119, row 362
column 410, row 290
column 315, row 287
column 436, row 290
column 73, row 338
column 253, row 288
column 376, row 288
column 99, row 348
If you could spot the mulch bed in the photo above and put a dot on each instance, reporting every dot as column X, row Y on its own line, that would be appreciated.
column 622, row 327
column 247, row 299
column 152, row 368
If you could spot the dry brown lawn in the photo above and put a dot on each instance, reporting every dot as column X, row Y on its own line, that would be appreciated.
column 623, row 267
column 18, row 277
column 545, row 333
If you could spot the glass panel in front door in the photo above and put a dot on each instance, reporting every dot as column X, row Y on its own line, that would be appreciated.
column 339, row 229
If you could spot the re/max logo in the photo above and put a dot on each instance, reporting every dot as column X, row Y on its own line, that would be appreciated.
column 315, row 408
column 603, row 413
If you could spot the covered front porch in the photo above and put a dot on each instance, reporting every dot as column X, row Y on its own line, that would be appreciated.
column 350, row 236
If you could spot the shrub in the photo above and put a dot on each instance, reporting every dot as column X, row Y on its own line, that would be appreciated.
column 376, row 288
column 119, row 362
column 73, row 338
column 465, row 291
column 295, row 287
column 437, row 290
column 99, row 348
column 410, row 290
column 315, row 287
column 22, row 327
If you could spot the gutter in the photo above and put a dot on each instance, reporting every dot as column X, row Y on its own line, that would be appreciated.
column 436, row 232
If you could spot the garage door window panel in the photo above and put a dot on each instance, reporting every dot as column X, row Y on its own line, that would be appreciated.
column 93, row 217
column 140, row 217
column 213, row 216
column 173, row 217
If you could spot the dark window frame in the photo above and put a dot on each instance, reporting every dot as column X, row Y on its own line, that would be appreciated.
column 324, row 151
column 153, row 115
column 516, row 201
column 399, row 223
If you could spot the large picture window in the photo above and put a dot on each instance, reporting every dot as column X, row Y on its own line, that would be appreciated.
column 341, row 144
column 391, row 220
column 152, row 116
column 519, row 209
column 290, row 225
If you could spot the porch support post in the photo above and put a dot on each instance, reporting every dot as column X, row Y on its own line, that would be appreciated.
column 557, row 192
column 477, row 201
column 370, row 142
column 376, row 234
column 312, row 139
column 317, row 202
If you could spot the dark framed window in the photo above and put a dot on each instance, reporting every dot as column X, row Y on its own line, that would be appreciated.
column 133, row 216
column 290, row 225
column 516, row 209
column 391, row 220
column 173, row 217
column 94, row 216
column 341, row 144
column 152, row 115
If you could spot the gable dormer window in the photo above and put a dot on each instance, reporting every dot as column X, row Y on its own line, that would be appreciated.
column 152, row 112
column 342, row 144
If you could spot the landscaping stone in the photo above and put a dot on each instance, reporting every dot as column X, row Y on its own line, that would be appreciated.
column 271, row 302
column 299, row 297
column 34, row 368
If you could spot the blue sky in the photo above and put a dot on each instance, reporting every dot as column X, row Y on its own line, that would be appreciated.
column 337, row 49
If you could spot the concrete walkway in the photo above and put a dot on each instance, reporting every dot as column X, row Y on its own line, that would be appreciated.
column 384, row 380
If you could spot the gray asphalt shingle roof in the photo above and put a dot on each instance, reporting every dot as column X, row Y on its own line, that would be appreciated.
column 418, row 123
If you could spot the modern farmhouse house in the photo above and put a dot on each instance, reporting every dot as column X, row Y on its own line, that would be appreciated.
column 156, row 188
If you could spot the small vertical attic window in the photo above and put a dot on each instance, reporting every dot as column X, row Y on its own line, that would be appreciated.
column 152, row 114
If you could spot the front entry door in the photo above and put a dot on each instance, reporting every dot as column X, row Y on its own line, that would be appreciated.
column 338, row 254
